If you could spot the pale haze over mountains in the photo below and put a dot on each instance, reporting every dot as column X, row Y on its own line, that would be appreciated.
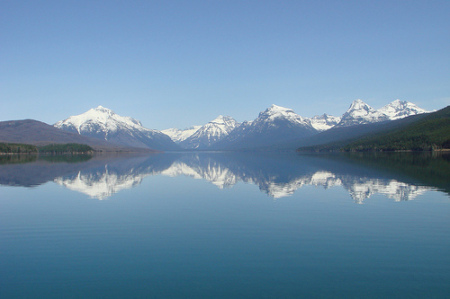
column 274, row 125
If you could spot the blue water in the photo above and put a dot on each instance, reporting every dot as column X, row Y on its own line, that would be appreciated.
column 224, row 226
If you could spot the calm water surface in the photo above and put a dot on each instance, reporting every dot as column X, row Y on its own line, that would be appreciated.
column 218, row 225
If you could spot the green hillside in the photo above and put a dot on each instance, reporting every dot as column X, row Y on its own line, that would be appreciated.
column 431, row 132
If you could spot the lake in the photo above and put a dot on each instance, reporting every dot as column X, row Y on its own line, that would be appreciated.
column 225, row 225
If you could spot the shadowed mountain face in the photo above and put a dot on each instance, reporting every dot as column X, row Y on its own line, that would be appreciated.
column 397, row 176
column 38, row 133
column 210, row 133
column 274, row 125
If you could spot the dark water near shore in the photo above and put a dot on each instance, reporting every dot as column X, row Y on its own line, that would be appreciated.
column 225, row 225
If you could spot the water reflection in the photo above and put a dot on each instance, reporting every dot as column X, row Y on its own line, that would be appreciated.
column 397, row 176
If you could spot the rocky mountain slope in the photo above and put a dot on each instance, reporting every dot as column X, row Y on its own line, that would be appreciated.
column 360, row 113
column 38, row 133
column 179, row 135
column 275, row 124
column 210, row 133
column 103, row 123
column 279, row 125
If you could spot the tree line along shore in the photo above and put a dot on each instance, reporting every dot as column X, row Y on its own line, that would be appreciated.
column 50, row 149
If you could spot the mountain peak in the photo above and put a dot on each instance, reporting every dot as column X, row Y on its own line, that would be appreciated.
column 220, row 119
column 103, row 123
column 359, row 104
column 397, row 104
column 276, row 108
column 100, row 119
column 210, row 133
column 359, row 113
column 102, row 109
column 276, row 111
column 400, row 109
column 359, row 108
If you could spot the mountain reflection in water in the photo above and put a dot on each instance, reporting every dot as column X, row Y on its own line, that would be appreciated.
column 399, row 176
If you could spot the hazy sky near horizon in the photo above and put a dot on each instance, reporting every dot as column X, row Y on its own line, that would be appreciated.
column 180, row 63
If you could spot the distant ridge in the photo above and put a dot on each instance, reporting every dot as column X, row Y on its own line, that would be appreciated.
column 35, row 132
column 277, row 127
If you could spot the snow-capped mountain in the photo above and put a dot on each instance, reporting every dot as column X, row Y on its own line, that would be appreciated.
column 400, row 109
column 103, row 123
column 324, row 122
column 275, row 124
column 210, row 133
column 360, row 113
column 179, row 135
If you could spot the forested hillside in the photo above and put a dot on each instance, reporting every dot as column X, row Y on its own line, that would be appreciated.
column 431, row 132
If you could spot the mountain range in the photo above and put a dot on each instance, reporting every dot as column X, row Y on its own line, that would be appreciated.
column 102, row 128
column 279, row 125
column 360, row 113
column 417, row 133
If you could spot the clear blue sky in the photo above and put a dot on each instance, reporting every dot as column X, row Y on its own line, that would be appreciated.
column 179, row 63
